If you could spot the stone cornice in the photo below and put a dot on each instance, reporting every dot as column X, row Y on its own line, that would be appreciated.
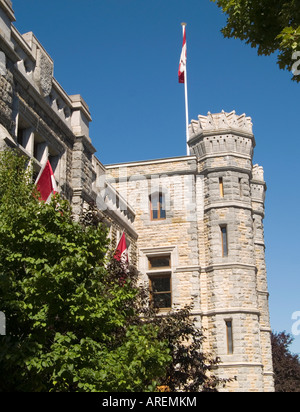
column 87, row 143
column 8, row 50
column 228, row 311
column 221, row 132
column 227, row 204
column 16, row 35
column 7, row 7
column 229, row 265
column 150, row 162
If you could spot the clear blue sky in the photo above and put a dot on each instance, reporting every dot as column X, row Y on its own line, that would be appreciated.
column 122, row 57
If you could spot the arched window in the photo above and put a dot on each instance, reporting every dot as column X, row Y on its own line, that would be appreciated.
column 157, row 206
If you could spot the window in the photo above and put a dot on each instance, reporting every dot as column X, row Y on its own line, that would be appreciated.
column 241, row 187
column 229, row 334
column 160, row 281
column 160, row 291
column 23, row 134
column 20, row 136
column 40, row 149
column 221, row 185
column 157, row 206
column 224, row 241
column 159, row 262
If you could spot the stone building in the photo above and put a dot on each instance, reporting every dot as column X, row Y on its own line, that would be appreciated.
column 194, row 224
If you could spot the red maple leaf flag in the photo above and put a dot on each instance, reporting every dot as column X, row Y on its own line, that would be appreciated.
column 46, row 184
column 121, row 253
column 182, row 62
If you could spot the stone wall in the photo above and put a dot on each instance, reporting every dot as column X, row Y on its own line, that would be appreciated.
column 215, row 188
column 41, row 121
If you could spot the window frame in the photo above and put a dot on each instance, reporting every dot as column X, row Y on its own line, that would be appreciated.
column 229, row 336
column 221, row 186
column 240, row 187
column 160, row 272
column 152, row 278
column 161, row 201
column 224, row 240
column 151, row 267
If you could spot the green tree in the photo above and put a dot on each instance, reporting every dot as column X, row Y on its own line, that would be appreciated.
column 68, row 320
column 74, row 321
column 270, row 25
column 286, row 365
column 191, row 369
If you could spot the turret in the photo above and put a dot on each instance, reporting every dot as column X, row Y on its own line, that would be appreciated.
column 233, row 297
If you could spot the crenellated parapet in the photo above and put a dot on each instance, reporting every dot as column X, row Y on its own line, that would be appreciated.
column 221, row 133
column 258, row 190
column 221, row 121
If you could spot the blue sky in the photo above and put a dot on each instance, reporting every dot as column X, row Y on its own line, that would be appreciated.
column 122, row 56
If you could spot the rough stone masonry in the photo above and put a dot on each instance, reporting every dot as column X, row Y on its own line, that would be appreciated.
column 193, row 224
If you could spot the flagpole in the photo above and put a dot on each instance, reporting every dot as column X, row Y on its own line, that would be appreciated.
column 186, row 101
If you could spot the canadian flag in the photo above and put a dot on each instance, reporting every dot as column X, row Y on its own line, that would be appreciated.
column 182, row 62
column 121, row 253
column 46, row 184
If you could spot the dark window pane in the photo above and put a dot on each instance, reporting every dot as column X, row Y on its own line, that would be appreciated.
column 161, row 285
column 159, row 262
column 162, row 300
column 154, row 214
column 224, row 241
column 20, row 135
column 229, row 337
column 162, row 214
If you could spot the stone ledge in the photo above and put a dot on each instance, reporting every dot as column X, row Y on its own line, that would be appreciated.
column 230, row 265
column 188, row 269
column 227, row 204
column 240, row 364
column 229, row 311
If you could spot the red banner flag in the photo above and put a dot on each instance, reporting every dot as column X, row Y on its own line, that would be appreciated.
column 46, row 184
column 121, row 253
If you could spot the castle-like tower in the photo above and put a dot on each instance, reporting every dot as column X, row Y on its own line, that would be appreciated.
column 234, row 289
column 193, row 224
column 200, row 242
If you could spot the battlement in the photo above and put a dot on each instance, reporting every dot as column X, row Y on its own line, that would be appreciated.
column 221, row 134
column 258, row 173
column 220, row 122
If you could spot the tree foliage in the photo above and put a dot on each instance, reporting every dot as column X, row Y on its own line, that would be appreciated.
column 72, row 325
column 68, row 319
column 191, row 369
column 286, row 365
column 270, row 25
